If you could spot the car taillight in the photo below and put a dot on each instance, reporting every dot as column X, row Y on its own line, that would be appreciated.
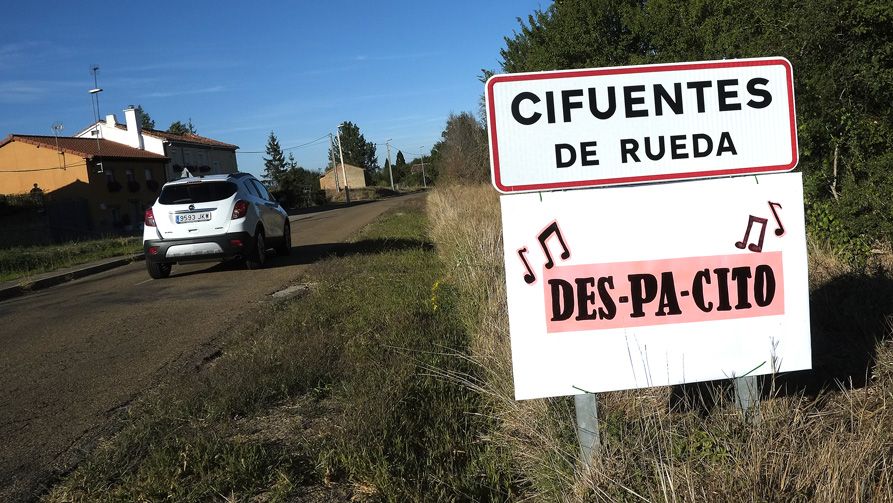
column 150, row 218
column 240, row 209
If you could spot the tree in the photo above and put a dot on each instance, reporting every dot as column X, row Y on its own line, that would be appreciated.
column 415, row 171
column 386, row 172
column 179, row 128
column 841, row 51
column 357, row 150
column 400, row 168
column 296, row 186
column 146, row 121
column 462, row 152
column 274, row 163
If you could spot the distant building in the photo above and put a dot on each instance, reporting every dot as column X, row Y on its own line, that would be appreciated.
column 197, row 154
column 105, row 186
column 333, row 179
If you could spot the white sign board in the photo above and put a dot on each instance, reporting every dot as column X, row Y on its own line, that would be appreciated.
column 630, row 287
column 623, row 125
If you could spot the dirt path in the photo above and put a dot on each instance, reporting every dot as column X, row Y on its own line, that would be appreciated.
column 73, row 356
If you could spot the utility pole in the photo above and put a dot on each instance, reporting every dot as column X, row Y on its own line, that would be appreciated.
column 334, row 166
column 390, row 171
column 343, row 174
column 422, row 157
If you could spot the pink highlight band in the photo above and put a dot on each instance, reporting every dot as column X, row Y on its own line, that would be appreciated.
column 659, row 292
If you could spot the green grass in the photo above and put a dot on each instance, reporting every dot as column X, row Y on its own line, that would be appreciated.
column 24, row 261
column 344, row 394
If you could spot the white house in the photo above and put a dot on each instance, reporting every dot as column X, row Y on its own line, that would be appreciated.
column 198, row 154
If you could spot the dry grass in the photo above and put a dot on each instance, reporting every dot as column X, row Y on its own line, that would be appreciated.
column 822, row 435
column 536, row 432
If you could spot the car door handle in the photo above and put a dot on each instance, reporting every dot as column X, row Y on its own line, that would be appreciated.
column 271, row 205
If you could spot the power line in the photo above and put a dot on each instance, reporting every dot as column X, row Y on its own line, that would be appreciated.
column 312, row 142
column 29, row 170
column 63, row 167
column 410, row 151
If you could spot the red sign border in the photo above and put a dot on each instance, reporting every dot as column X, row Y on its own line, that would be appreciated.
column 738, row 63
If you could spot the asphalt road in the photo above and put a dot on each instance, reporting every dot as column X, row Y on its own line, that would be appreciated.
column 72, row 357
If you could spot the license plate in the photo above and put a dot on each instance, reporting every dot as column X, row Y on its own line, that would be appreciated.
column 193, row 217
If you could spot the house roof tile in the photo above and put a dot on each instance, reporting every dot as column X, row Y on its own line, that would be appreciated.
column 184, row 138
column 86, row 147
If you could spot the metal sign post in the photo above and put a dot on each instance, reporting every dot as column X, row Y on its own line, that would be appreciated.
column 747, row 397
column 586, row 406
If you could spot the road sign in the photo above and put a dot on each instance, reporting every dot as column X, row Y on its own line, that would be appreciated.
column 630, row 287
column 623, row 125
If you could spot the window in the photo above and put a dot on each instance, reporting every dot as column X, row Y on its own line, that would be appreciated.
column 263, row 190
column 252, row 188
column 151, row 184
column 203, row 192
column 110, row 181
column 132, row 184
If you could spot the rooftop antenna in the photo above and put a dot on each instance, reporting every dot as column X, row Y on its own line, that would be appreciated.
column 57, row 128
column 94, row 100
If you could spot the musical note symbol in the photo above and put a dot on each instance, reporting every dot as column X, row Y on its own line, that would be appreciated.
column 780, row 230
column 546, row 234
column 529, row 277
column 754, row 247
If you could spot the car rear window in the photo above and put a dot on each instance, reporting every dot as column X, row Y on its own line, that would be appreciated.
column 202, row 192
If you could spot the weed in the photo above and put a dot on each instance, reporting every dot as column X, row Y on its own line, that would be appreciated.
column 23, row 261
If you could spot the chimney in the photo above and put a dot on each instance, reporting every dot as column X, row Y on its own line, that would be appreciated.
column 134, row 135
column 110, row 120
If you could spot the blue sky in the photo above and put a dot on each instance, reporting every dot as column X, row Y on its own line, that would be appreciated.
column 241, row 69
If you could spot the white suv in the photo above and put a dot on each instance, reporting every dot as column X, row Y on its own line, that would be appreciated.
column 210, row 218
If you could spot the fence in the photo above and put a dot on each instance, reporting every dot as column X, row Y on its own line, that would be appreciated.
column 37, row 219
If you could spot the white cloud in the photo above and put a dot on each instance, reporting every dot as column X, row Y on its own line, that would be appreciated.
column 30, row 91
column 184, row 92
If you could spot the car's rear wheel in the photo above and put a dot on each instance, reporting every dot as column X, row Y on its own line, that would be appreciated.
column 284, row 247
column 158, row 270
column 258, row 256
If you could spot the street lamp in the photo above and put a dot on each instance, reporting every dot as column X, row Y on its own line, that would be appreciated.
column 94, row 100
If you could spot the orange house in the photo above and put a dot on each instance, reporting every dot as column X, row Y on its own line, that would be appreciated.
column 113, row 183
